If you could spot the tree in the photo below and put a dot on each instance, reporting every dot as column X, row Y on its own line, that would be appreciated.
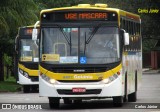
column 13, row 14
column 43, row 4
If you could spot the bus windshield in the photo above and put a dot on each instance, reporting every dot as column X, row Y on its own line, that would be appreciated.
column 80, row 45
column 29, row 50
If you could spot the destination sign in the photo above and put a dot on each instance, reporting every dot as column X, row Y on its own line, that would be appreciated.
column 73, row 16
column 85, row 16
column 28, row 31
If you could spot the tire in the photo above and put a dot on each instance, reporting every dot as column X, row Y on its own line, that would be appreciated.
column 118, row 101
column 77, row 101
column 132, row 97
column 54, row 102
column 136, row 82
column 67, row 101
column 125, row 99
column 26, row 88
column 34, row 88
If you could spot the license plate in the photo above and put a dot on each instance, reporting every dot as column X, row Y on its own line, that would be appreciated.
column 78, row 90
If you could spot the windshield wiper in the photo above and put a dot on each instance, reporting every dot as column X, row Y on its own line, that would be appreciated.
column 69, row 40
column 93, row 33
column 66, row 37
column 90, row 37
column 85, row 44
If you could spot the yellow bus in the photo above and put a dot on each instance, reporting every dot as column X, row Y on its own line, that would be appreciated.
column 27, row 58
column 89, row 52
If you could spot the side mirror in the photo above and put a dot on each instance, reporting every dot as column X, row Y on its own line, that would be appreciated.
column 126, row 38
column 34, row 34
column 35, row 31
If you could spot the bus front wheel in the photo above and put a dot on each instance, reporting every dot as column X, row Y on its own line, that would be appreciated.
column 67, row 101
column 118, row 101
column 78, row 101
column 54, row 102
column 26, row 88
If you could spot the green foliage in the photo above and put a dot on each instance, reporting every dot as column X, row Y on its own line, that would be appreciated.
column 149, row 44
column 4, row 28
column 13, row 14
column 16, row 13
column 7, row 60
column 9, row 85
column 43, row 4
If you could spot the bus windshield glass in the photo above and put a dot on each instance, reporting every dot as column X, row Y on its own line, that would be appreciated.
column 29, row 50
column 80, row 45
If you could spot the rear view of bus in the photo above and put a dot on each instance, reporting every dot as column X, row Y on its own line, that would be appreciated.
column 27, row 59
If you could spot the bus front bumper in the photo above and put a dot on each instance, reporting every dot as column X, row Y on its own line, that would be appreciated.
column 65, row 90
column 26, row 81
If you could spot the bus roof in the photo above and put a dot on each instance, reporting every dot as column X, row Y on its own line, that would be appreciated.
column 30, row 26
column 98, row 7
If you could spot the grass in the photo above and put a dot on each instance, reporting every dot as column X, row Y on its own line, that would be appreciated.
column 9, row 85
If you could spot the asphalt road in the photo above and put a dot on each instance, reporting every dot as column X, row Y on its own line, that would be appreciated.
column 148, row 94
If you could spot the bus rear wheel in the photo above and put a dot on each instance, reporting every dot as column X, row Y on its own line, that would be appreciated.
column 54, row 102
column 132, row 97
column 118, row 101
column 34, row 88
column 26, row 88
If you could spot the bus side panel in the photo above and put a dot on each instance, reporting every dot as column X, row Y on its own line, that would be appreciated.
column 132, row 64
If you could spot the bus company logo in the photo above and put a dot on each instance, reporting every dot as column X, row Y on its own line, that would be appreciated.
column 6, row 106
column 79, row 70
column 83, row 77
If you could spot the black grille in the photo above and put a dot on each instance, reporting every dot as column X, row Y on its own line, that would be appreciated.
column 69, row 92
column 78, row 68
column 34, row 78
column 86, row 70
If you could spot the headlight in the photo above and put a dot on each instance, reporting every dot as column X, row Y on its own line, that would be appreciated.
column 47, row 79
column 106, row 81
column 110, row 79
column 21, row 71
column 26, row 74
column 52, row 81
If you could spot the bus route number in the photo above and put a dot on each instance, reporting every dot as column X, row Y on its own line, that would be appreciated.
column 81, row 16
